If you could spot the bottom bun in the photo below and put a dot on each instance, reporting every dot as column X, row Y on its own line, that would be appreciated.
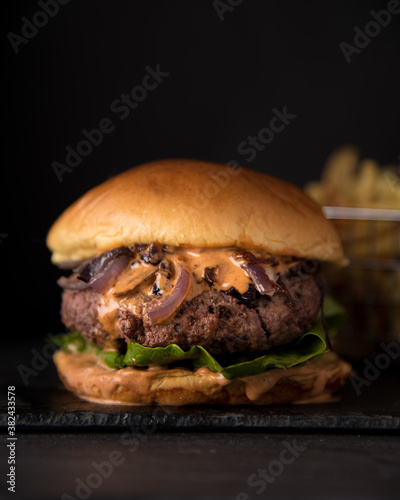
column 312, row 382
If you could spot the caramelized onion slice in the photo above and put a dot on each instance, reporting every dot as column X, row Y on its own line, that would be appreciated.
column 70, row 264
column 109, row 273
column 167, row 307
column 263, row 283
column 71, row 283
column 90, row 269
column 130, row 283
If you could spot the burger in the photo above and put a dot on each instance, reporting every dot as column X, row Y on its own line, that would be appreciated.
column 188, row 282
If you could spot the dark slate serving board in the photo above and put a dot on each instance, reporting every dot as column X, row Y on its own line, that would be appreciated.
column 45, row 404
column 62, row 410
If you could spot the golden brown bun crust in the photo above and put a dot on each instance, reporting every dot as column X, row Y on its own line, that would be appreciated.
column 198, row 204
column 313, row 382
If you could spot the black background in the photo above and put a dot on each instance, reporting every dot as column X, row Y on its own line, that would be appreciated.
column 225, row 77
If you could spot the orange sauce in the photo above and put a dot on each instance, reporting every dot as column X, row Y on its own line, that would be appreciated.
column 141, row 276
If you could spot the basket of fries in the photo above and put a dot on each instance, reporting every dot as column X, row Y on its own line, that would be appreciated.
column 363, row 201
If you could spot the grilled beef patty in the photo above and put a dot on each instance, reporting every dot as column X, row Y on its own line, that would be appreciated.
column 221, row 322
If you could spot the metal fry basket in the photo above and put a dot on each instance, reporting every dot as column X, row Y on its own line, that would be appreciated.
column 369, row 287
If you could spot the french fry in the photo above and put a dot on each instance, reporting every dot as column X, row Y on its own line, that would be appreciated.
column 348, row 182
column 371, row 282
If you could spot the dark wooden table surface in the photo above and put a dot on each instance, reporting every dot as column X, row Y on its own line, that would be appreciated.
column 67, row 448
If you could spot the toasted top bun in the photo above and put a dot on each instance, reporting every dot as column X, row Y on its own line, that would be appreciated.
column 194, row 203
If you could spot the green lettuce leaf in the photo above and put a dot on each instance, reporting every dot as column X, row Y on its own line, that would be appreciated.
column 335, row 315
column 311, row 344
column 74, row 342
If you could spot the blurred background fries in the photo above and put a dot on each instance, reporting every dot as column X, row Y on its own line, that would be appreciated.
column 347, row 181
column 362, row 199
